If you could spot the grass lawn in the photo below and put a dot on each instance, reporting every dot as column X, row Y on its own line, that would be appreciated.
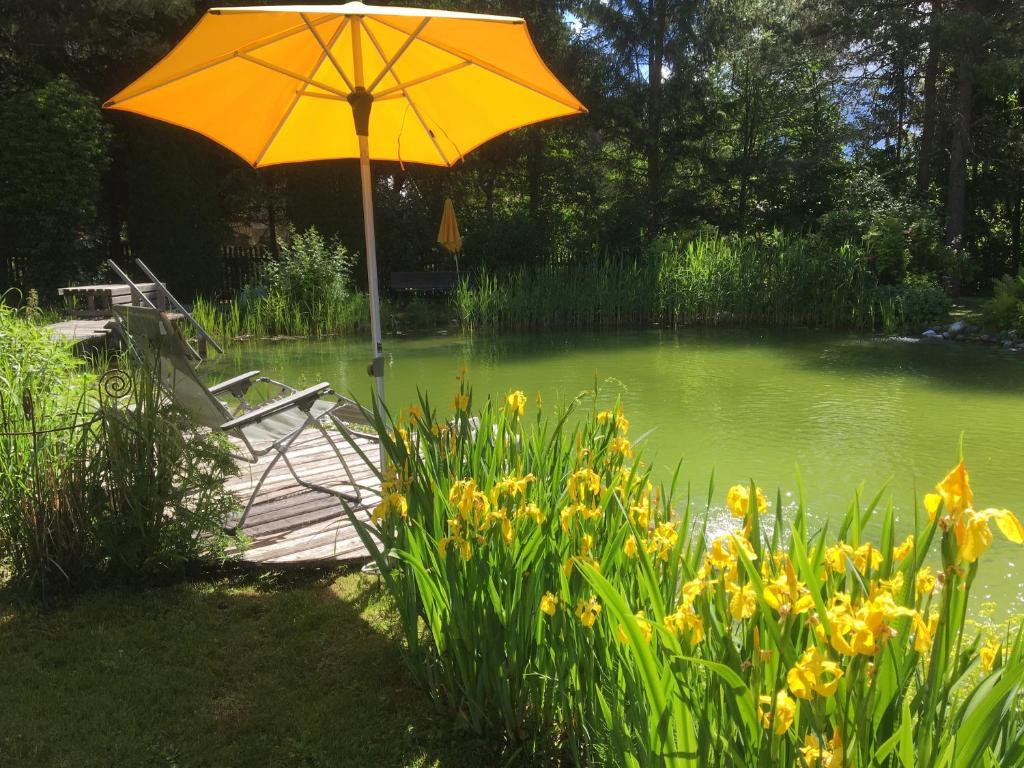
column 272, row 670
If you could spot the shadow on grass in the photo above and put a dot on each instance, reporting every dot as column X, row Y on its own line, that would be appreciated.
column 276, row 670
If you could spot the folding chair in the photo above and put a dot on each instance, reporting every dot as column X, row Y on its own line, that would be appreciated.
column 271, row 427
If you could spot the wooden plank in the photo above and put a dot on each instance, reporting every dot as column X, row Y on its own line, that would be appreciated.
column 290, row 525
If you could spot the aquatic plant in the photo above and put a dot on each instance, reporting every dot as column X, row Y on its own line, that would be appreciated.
column 777, row 281
column 551, row 595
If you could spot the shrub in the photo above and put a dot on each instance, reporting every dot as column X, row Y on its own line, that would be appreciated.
column 309, row 271
column 306, row 294
column 552, row 596
column 98, row 476
column 886, row 245
column 1005, row 310
column 915, row 302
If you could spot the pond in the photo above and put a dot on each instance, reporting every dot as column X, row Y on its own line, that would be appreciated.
column 843, row 411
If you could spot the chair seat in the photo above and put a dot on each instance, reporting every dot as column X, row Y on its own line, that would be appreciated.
column 279, row 425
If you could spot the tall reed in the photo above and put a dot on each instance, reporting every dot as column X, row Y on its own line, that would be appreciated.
column 553, row 597
column 774, row 281
column 274, row 315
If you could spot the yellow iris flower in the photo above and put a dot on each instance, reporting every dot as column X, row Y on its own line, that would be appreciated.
column 645, row 629
column 533, row 512
column 813, row 674
column 974, row 535
column 788, row 595
column 549, row 603
column 987, row 654
column 621, row 422
column 583, row 482
column 587, row 610
column 460, row 402
column 738, row 501
column 903, row 549
column 954, row 494
column 743, row 603
column 392, row 503
column 862, row 629
column 924, row 582
column 621, row 446
column 685, row 619
column 785, row 711
column 629, row 548
column 516, row 402
column 817, row 755
column 662, row 540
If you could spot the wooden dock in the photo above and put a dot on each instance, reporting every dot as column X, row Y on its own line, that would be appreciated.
column 79, row 330
column 291, row 526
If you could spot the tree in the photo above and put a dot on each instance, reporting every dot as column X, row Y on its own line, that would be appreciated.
column 54, row 148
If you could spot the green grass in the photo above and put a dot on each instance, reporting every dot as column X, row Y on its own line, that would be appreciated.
column 273, row 670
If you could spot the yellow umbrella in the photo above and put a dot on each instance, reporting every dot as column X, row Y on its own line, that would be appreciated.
column 448, row 235
column 277, row 84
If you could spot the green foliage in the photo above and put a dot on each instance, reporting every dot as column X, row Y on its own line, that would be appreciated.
column 163, row 481
column 309, row 270
column 93, row 484
column 886, row 245
column 271, row 315
column 552, row 598
column 1005, row 310
column 912, row 304
column 306, row 294
column 711, row 280
column 54, row 149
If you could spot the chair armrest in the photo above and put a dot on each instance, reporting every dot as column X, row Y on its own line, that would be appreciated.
column 237, row 386
column 304, row 398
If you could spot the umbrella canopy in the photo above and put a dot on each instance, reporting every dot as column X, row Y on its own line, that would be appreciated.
column 276, row 84
column 285, row 84
column 448, row 235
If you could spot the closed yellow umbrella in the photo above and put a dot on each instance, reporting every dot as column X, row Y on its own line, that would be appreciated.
column 285, row 84
column 448, row 235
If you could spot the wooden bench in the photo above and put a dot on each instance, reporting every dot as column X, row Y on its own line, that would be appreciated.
column 100, row 300
column 426, row 282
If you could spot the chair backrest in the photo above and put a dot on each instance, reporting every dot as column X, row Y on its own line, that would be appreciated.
column 159, row 342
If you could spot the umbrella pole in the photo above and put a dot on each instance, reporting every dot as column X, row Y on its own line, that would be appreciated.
column 377, row 366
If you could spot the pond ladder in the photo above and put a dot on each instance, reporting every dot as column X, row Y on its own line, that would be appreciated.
column 204, row 337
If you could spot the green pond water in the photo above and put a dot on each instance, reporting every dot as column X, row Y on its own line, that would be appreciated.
column 847, row 411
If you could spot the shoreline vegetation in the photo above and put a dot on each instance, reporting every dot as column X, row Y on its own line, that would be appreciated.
column 712, row 280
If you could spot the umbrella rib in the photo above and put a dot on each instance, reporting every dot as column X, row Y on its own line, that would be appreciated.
column 417, row 80
column 389, row 65
column 299, row 92
column 293, row 75
column 415, row 110
column 495, row 70
column 255, row 46
column 327, row 48
column 426, row 128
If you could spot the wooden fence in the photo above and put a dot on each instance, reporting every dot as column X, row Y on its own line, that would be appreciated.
column 242, row 266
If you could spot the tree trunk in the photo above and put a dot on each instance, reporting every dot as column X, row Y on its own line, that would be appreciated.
column 1013, row 210
column 931, row 75
column 656, row 11
column 535, row 151
column 956, row 191
column 270, row 186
